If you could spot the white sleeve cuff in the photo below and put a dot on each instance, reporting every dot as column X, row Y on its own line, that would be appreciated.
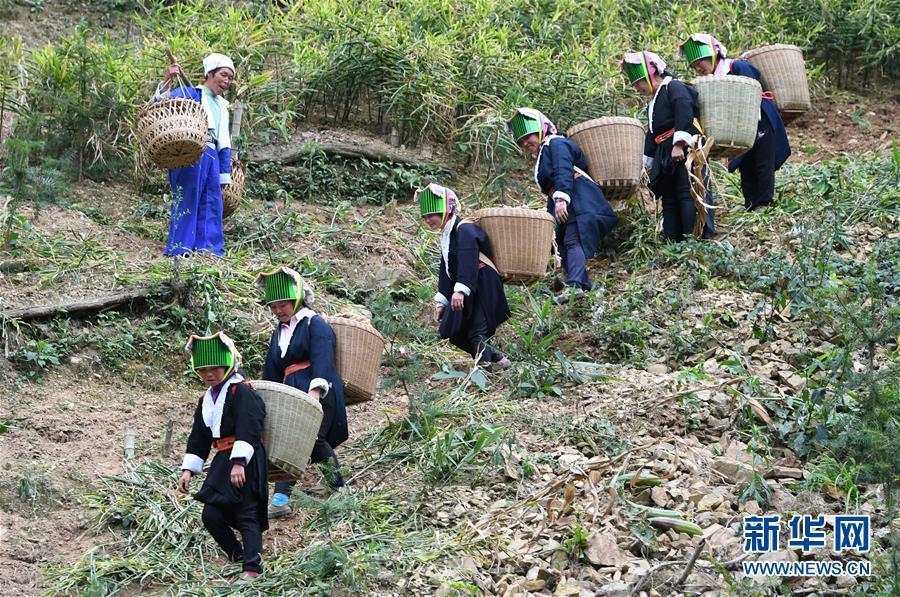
column 441, row 299
column 225, row 178
column 192, row 463
column 683, row 137
column 320, row 383
column 242, row 450
column 560, row 195
column 462, row 288
column 648, row 161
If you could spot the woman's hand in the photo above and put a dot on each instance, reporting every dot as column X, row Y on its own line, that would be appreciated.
column 438, row 312
column 172, row 71
column 678, row 152
column 457, row 301
column 237, row 474
column 315, row 393
column 184, row 481
column 562, row 211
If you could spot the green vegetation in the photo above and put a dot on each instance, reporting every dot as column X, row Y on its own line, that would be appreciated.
column 782, row 334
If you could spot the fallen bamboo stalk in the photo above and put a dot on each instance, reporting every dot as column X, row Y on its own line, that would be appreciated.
column 299, row 149
column 87, row 306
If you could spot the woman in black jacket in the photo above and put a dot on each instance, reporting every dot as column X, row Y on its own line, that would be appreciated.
column 301, row 355
column 468, row 281
column 673, row 126
column 229, row 418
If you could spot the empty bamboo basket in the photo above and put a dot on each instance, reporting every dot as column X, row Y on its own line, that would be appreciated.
column 783, row 72
column 291, row 426
column 173, row 131
column 521, row 239
column 613, row 146
column 357, row 356
column 231, row 193
column 729, row 112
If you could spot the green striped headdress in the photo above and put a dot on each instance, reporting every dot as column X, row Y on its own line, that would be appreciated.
column 695, row 50
column 703, row 45
column 281, row 284
column 522, row 126
column 217, row 350
column 528, row 121
column 636, row 66
column 435, row 199
column 635, row 72
column 431, row 203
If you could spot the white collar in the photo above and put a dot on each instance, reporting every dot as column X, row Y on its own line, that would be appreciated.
column 212, row 412
column 445, row 241
column 286, row 332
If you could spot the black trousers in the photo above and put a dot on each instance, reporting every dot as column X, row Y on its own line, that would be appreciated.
column 474, row 338
column 679, row 212
column 758, row 168
column 322, row 452
column 220, row 521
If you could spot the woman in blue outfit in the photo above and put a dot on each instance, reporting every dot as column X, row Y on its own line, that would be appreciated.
column 707, row 56
column 468, row 281
column 583, row 216
column 301, row 355
column 196, row 219
column 673, row 126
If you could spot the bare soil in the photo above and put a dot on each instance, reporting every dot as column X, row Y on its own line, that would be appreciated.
column 68, row 428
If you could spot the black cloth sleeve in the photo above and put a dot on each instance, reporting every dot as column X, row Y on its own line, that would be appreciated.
column 467, row 255
column 562, row 164
column 321, row 349
column 649, row 144
column 682, row 105
column 249, row 414
column 445, row 284
column 199, row 442
column 271, row 369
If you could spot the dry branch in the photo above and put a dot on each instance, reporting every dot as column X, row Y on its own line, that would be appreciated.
column 298, row 149
column 87, row 306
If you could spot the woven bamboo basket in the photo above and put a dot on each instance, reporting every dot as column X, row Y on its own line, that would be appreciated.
column 783, row 73
column 729, row 112
column 521, row 239
column 357, row 356
column 231, row 193
column 173, row 131
column 292, row 424
column 613, row 146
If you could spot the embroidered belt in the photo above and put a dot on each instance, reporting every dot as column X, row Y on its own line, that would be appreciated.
column 223, row 443
column 552, row 189
column 291, row 369
column 663, row 137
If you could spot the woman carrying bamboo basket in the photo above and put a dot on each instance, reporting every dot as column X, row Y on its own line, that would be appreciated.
column 583, row 216
column 468, row 281
column 673, row 127
column 196, row 218
column 228, row 419
column 301, row 355
column 707, row 56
